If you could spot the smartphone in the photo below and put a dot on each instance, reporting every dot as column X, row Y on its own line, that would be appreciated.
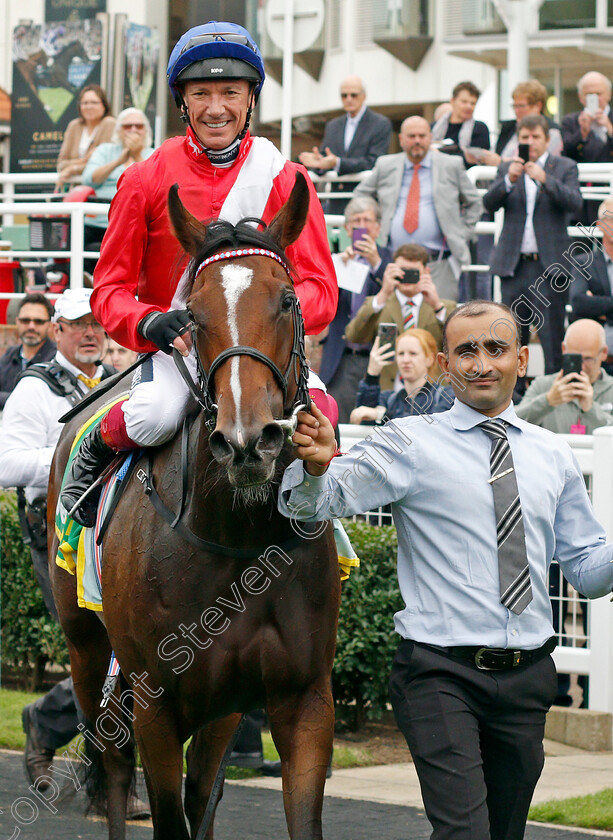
column 523, row 151
column 591, row 103
column 387, row 334
column 358, row 233
column 411, row 275
column 571, row 363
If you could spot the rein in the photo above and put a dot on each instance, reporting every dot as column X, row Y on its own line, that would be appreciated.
column 297, row 368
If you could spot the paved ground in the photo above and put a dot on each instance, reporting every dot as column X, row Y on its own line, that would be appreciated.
column 251, row 811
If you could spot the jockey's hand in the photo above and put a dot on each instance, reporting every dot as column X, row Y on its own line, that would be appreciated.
column 167, row 330
column 314, row 439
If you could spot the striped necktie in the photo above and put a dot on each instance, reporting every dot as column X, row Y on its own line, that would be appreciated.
column 409, row 316
column 91, row 383
column 515, row 587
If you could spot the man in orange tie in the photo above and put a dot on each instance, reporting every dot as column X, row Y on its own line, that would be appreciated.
column 426, row 198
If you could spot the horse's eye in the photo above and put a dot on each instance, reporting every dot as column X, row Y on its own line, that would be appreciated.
column 287, row 302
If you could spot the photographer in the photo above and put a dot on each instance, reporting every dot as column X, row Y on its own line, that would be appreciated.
column 407, row 298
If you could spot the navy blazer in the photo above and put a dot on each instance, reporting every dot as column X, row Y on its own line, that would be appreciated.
column 370, row 140
column 590, row 150
column 599, row 304
column 334, row 342
column 555, row 200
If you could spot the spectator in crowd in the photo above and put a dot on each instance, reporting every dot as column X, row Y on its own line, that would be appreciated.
column 466, row 134
column 343, row 363
column 406, row 304
column 416, row 359
column 473, row 677
column 441, row 110
column 93, row 126
column 529, row 98
column 29, row 433
column 588, row 134
column 33, row 319
column 537, row 196
column 351, row 143
column 576, row 403
column 118, row 357
column 130, row 143
column 591, row 292
column 426, row 198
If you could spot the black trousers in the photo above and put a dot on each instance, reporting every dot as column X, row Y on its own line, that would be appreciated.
column 548, row 317
column 476, row 738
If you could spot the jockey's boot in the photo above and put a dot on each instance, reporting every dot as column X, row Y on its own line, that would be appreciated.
column 93, row 457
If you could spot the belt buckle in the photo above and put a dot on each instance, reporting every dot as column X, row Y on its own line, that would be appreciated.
column 479, row 660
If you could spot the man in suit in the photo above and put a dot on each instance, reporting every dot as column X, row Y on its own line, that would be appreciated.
column 438, row 209
column 33, row 319
column 401, row 303
column 353, row 142
column 537, row 195
column 343, row 363
column 588, row 134
column 591, row 292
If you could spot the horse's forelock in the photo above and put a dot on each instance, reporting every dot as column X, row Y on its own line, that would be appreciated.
column 221, row 235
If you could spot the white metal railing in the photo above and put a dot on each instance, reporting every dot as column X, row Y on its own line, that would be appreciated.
column 590, row 654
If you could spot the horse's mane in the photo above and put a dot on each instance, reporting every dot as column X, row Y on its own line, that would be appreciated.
column 221, row 235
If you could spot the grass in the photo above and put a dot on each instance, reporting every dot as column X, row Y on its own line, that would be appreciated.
column 592, row 811
column 12, row 737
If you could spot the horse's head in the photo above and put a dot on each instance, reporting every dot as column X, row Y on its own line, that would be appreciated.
column 249, row 333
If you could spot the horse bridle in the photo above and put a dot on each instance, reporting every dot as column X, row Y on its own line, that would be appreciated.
column 296, row 366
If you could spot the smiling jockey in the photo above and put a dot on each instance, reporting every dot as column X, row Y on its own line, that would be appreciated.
column 215, row 74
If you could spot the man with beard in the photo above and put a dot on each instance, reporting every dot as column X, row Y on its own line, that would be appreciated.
column 29, row 433
column 33, row 319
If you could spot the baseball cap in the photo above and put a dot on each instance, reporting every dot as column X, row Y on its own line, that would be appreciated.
column 73, row 304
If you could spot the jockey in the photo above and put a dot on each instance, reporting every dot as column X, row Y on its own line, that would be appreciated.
column 215, row 74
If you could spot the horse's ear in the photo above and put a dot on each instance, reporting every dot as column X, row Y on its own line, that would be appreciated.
column 287, row 225
column 188, row 230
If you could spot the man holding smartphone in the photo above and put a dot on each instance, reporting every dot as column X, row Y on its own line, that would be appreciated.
column 588, row 134
column 538, row 195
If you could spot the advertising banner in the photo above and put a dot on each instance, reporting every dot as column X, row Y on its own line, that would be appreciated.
column 142, row 54
column 52, row 62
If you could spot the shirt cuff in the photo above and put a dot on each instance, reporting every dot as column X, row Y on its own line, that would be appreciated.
column 337, row 166
column 376, row 307
column 507, row 183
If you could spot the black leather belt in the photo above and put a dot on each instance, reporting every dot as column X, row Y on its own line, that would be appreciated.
column 357, row 351
column 496, row 659
column 435, row 255
column 529, row 257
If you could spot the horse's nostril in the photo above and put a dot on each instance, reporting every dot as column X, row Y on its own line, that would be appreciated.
column 220, row 446
column 270, row 441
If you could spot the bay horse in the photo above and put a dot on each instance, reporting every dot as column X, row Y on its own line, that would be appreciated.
column 230, row 610
column 38, row 72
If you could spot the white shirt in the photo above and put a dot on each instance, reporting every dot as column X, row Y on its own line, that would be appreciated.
column 350, row 129
column 30, row 431
column 529, row 244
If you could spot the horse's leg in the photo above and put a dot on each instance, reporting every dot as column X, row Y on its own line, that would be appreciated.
column 302, row 727
column 161, row 751
column 204, row 756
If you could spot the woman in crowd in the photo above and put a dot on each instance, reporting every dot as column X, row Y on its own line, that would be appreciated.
column 93, row 126
column 415, row 357
column 130, row 143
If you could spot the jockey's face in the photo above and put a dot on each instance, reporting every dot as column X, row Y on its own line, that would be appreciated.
column 217, row 110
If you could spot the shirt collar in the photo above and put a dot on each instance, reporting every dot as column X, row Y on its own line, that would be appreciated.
column 416, row 300
column 425, row 163
column 463, row 417
column 63, row 361
column 358, row 116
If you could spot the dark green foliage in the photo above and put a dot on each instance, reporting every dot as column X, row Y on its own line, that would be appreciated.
column 366, row 637
column 29, row 636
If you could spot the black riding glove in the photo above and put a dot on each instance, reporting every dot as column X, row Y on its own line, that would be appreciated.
column 162, row 328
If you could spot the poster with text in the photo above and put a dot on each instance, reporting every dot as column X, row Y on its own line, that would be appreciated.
column 52, row 62
column 142, row 54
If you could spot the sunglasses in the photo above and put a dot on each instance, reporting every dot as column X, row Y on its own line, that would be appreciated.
column 38, row 322
column 133, row 125
column 218, row 36
column 350, row 95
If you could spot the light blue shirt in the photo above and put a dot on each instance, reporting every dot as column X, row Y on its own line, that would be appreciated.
column 434, row 471
column 428, row 233
column 103, row 154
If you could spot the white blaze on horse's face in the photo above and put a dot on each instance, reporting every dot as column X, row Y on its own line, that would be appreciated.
column 235, row 280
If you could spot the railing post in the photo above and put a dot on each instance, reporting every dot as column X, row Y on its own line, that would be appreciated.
column 601, row 611
column 76, row 247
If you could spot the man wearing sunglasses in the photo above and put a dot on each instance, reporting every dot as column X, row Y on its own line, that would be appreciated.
column 29, row 433
column 215, row 74
column 32, row 321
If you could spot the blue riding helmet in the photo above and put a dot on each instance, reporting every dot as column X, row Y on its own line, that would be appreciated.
column 215, row 50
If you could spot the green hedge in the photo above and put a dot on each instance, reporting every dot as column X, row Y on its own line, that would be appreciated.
column 29, row 636
column 366, row 638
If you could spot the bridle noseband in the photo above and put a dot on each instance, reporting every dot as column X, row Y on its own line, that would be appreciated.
column 296, row 366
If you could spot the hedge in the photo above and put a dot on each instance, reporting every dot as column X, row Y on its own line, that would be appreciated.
column 366, row 637
column 30, row 638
